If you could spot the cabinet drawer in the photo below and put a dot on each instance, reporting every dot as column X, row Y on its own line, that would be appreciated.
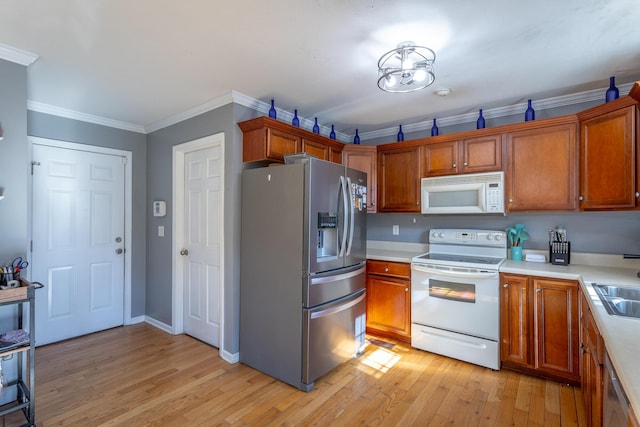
column 389, row 268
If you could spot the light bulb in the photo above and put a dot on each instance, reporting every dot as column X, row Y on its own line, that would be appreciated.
column 390, row 81
column 419, row 75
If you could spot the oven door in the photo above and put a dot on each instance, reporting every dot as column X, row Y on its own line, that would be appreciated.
column 462, row 300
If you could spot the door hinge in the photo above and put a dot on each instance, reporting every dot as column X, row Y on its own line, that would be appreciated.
column 124, row 160
column 31, row 246
column 34, row 163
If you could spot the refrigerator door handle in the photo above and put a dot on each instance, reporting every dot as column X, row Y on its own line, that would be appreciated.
column 337, row 278
column 338, row 308
column 352, row 215
column 345, row 217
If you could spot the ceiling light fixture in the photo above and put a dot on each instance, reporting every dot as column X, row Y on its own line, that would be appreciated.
column 406, row 68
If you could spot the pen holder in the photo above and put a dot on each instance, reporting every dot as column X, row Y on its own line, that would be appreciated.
column 560, row 253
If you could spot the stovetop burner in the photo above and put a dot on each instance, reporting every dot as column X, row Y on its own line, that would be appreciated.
column 463, row 259
column 486, row 249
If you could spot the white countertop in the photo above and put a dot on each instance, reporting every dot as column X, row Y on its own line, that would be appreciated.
column 621, row 335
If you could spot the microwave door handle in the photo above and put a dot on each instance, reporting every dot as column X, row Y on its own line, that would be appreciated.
column 351, row 215
column 345, row 220
column 470, row 274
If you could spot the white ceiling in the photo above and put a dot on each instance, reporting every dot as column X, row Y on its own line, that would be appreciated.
column 144, row 61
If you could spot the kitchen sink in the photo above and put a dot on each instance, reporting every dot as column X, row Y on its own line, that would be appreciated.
column 614, row 291
column 619, row 300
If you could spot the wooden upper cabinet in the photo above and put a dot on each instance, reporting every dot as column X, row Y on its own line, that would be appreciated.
column 363, row 158
column 608, row 156
column 471, row 155
column 541, row 171
column 266, row 139
column 315, row 149
column 399, row 179
column 440, row 158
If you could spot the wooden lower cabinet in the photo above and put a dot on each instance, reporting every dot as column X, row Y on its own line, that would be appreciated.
column 539, row 326
column 591, row 360
column 389, row 299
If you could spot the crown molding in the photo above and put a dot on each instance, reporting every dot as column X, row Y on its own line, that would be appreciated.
column 193, row 112
column 18, row 56
column 284, row 115
column 84, row 117
column 510, row 110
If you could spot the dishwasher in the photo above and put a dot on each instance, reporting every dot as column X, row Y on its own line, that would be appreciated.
column 615, row 405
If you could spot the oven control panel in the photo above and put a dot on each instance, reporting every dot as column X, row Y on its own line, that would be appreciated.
column 467, row 237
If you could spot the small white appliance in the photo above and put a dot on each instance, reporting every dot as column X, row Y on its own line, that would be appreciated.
column 480, row 193
column 455, row 295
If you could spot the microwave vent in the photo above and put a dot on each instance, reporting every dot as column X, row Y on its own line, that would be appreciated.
column 466, row 179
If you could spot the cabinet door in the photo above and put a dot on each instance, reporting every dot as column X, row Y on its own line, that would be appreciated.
column 482, row 154
column 556, row 327
column 590, row 366
column 541, row 172
column 363, row 158
column 315, row 149
column 514, row 319
column 607, row 160
column 440, row 158
column 280, row 144
column 335, row 155
column 399, row 180
column 389, row 306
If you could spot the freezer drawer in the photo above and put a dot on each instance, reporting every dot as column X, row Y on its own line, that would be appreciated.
column 322, row 288
column 332, row 333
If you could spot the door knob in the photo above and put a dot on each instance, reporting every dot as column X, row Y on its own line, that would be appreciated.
column 118, row 239
column 119, row 251
column 184, row 252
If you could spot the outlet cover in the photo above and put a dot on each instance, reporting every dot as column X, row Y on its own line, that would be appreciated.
column 396, row 230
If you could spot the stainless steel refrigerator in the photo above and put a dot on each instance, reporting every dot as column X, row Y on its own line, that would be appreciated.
column 302, row 271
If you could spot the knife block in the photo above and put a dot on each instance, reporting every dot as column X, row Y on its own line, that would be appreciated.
column 560, row 253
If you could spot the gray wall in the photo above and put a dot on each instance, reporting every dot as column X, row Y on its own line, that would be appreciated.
column 159, row 178
column 598, row 232
column 63, row 129
column 14, row 162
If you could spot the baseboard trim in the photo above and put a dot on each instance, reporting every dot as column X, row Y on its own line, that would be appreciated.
column 163, row 326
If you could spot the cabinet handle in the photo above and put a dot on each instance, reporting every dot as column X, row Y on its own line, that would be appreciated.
column 582, row 198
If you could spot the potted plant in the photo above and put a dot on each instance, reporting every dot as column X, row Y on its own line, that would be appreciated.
column 516, row 235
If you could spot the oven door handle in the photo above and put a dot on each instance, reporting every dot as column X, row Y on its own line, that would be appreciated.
column 457, row 273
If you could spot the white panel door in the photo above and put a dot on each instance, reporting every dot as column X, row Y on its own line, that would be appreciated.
column 78, row 242
column 203, row 238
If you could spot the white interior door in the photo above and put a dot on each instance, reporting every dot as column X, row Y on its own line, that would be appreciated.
column 204, row 183
column 78, row 241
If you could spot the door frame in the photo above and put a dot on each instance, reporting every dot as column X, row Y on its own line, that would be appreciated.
column 177, row 261
column 128, row 201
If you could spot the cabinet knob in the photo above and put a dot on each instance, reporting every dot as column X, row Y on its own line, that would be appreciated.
column 406, row 289
column 386, row 269
column 582, row 198
column 510, row 200
column 418, row 203
column 454, row 165
column 506, row 285
column 466, row 164
column 538, row 290
column 637, row 194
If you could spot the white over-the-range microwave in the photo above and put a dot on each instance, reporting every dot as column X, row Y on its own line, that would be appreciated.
column 479, row 193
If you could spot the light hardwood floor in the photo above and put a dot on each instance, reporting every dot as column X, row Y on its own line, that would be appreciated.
column 140, row 376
